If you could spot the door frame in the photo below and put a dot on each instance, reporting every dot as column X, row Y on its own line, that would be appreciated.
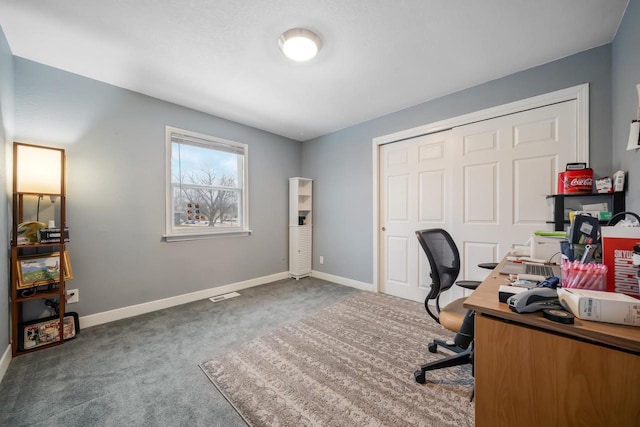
column 580, row 93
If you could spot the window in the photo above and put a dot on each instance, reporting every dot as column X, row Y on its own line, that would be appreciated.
column 206, row 186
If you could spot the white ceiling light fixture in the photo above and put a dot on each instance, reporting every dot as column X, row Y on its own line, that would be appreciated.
column 300, row 44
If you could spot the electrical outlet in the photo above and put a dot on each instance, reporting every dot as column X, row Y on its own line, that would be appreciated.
column 72, row 296
column 321, row 259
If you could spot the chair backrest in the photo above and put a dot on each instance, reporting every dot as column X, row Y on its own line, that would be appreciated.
column 444, row 260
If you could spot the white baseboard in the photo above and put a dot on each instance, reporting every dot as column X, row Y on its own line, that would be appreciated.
column 4, row 362
column 148, row 307
column 135, row 310
column 342, row 281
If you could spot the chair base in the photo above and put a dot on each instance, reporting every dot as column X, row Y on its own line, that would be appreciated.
column 462, row 358
column 451, row 346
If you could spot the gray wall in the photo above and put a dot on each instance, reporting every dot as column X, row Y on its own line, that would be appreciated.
column 341, row 163
column 626, row 75
column 6, row 138
column 115, row 144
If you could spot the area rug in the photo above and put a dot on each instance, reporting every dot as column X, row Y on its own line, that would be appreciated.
column 349, row 364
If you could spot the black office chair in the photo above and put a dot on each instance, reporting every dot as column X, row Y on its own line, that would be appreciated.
column 444, row 260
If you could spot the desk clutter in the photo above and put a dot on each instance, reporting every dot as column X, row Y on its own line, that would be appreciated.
column 598, row 279
column 599, row 306
column 584, row 275
column 585, row 304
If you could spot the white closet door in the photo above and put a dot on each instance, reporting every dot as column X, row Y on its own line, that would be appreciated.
column 504, row 169
column 415, row 194
column 485, row 183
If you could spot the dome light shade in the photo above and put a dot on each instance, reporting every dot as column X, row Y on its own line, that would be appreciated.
column 300, row 44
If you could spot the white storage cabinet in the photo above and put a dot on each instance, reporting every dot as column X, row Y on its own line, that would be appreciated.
column 300, row 226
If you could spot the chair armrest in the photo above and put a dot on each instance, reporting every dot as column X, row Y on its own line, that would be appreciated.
column 468, row 284
column 488, row 265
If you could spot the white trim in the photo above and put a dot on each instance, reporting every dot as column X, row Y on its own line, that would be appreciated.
column 376, row 213
column 582, row 122
column 342, row 281
column 182, row 237
column 580, row 93
column 148, row 307
column 5, row 361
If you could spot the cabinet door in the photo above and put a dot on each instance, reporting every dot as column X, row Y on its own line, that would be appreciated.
column 300, row 250
column 529, row 377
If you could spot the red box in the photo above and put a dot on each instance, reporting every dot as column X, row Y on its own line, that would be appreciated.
column 617, row 255
column 575, row 182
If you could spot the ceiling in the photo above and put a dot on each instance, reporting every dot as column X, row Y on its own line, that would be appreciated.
column 378, row 56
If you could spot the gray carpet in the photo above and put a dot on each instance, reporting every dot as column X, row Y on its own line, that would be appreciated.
column 144, row 371
column 348, row 364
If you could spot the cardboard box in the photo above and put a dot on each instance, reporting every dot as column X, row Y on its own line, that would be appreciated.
column 605, row 216
column 598, row 207
column 600, row 306
column 617, row 255
column 52, row 235
column 598, row 210
column 546, row 248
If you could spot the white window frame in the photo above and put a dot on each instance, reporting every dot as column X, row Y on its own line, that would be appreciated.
column 173, row 233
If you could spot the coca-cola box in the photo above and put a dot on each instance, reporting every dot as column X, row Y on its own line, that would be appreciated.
column 576, row 182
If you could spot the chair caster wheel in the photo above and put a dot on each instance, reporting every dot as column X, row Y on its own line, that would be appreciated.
column 419, row 376
column 433, row 347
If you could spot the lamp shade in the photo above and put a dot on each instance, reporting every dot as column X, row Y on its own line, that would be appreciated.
column 38, row 169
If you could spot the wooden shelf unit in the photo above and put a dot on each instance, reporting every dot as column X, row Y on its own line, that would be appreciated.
column 55, row 290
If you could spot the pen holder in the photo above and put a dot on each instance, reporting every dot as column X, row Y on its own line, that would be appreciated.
column 576, row 274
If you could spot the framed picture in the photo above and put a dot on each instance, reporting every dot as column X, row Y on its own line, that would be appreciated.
column 43, row 269
column 45, row 331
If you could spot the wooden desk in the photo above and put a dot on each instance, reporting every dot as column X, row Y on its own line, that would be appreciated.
column 530, row 371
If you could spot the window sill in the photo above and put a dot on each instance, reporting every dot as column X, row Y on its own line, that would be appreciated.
column 184, row 237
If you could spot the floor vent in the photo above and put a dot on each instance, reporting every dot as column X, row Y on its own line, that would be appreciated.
column 224, row 297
